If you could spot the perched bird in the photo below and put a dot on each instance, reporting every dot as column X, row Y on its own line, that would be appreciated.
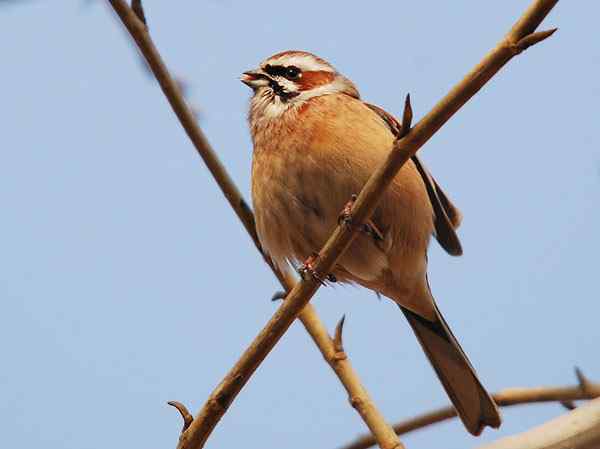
column 315, row 145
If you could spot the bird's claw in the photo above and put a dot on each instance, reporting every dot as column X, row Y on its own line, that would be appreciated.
column 346, row 214
column 368, row 228
column 307, row 270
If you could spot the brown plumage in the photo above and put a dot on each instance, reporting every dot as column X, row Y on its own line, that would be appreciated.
column 315, row 144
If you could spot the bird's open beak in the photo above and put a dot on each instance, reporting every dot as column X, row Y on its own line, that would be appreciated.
column 254, row 79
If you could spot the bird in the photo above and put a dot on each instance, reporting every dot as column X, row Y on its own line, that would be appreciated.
column 316, row 143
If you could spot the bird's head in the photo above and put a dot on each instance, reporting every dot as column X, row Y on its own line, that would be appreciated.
column 288, row 79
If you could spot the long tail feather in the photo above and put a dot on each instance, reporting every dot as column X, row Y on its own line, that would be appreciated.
column 474, row 405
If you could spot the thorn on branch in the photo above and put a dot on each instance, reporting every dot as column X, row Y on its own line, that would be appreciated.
column 138, row 9
column 533, row 38
column 278, row 296
column 185, row 414
column 569, row 405
column 584, row 382
column 338, row 341
column 407, row 117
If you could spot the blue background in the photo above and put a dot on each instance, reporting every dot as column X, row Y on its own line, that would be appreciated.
column 127, row 281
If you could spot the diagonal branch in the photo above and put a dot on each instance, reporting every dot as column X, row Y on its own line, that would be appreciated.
column 135, row 22
column 220, row 399
column 505, row 398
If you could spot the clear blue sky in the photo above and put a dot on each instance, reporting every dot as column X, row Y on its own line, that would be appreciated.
column 126, row 280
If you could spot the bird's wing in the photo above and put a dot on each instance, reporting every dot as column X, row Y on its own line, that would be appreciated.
column 447, row 216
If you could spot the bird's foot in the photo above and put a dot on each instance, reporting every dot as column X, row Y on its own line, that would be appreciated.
column 368, row 228
column 307, row 270
column 345, row 216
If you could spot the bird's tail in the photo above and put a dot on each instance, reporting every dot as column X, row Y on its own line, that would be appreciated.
column 474, row 405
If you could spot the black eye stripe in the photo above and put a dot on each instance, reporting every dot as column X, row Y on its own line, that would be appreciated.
column 274, row 70
column 289, row 72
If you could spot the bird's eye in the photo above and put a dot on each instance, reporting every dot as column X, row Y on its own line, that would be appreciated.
column 292, row 72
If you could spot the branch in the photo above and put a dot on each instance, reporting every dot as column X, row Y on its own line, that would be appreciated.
column 220, row 399
column 579, row 429
column 505, row 398
column 135, row 22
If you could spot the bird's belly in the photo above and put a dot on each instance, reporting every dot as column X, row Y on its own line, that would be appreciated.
column 297, row 203
column 296, row 207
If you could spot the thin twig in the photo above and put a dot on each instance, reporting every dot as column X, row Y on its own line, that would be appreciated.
column 382, row 431
column 220, row 399
column 505, row 398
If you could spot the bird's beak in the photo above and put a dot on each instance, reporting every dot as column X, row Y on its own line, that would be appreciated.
column 254, row 79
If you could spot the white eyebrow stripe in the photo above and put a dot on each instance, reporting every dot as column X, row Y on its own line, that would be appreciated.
column 303, row 62
column 334, row 87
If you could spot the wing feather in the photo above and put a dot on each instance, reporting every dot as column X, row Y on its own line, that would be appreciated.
column 447, row 216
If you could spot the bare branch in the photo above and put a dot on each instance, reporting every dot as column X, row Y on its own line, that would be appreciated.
column 579, row 429
column 504, row 398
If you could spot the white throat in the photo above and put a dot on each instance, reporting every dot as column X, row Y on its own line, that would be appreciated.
column 265, row 105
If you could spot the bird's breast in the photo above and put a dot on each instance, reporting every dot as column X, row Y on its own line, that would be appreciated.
column 295, row 201
column 305, row 169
